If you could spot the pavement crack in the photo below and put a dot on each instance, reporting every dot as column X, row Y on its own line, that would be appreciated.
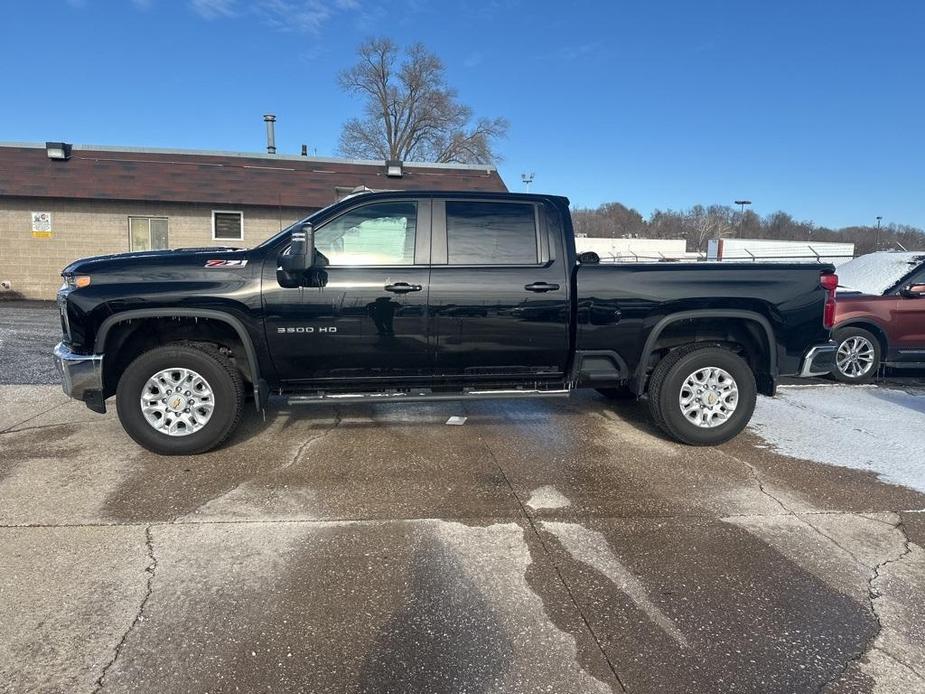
column 150, row 569
column 756, row 477
column 874, row 594
column 271, row 490
column 899, row 662
column 555, row 564
column 10, row 428
column 309, row 441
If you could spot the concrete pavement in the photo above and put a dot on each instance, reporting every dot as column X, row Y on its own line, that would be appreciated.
column 546, row 546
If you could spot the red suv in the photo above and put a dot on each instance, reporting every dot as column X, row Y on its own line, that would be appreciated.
column 879, row 314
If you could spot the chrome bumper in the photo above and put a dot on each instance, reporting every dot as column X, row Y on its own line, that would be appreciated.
column 819, row 360
column 80, row 373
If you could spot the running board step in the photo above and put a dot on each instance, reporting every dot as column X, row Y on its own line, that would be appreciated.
column 423, row 395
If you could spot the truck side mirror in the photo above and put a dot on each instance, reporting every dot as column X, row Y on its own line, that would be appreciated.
column 301, row 253
column 301, row 256
column 913, row 291
column 589, row 258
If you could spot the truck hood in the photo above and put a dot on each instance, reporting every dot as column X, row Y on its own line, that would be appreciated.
column 102, row 263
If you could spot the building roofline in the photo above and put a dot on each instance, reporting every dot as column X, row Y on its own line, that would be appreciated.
column 252, row 155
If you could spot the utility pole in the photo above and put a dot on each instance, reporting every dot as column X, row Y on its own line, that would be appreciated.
column 742, row 204
column 877, row 246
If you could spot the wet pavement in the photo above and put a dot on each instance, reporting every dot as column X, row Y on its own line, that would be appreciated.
column 543, row 546
column 29, row 331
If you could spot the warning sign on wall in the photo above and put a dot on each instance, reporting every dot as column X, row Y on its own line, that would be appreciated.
column 41, row 221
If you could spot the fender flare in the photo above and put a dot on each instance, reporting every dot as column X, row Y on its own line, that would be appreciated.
column 659, row 327
column 211, row 314
column 863, row 322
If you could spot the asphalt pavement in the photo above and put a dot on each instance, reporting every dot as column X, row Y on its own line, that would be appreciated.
column 542, row 546
column 29, row 330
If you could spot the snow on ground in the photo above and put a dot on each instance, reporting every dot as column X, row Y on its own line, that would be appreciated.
column 867, row 428
column 874, row 273
column 547, row 496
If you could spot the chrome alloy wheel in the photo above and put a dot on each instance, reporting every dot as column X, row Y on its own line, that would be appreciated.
column 177, row 402
column 855, row 356
column 708, row 397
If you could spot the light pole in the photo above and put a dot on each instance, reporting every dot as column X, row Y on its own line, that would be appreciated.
column 877, row 247
column 742, row 204
column 527, row 178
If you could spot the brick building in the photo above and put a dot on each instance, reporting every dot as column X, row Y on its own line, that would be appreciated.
column 61, row 202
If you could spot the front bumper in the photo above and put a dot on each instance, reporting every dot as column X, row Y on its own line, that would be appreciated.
column 819, row 360
column 81, row 374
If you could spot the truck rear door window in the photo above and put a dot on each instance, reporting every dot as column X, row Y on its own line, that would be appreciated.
column 490, row 233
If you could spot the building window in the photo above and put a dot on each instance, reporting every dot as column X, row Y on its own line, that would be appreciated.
column 147, row 233
column 227, row 225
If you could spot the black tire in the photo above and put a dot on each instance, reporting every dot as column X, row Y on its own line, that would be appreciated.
column 621, row 393
column 221, row 375
column 870, row 344
column 665, row 390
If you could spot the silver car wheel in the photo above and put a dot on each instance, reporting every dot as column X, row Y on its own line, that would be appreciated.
column 708, row 397
column 177, row 402
column 855, row 356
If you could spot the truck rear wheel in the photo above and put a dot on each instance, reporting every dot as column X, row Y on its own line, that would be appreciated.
column 702, row 396
column 180, row 399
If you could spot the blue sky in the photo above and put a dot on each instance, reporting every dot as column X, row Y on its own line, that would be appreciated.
column 817, row 108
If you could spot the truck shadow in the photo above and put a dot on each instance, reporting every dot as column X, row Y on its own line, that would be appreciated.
column 266, row 457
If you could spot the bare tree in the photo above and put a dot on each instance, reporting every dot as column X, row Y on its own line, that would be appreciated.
column 703, row 224
column 410, row 113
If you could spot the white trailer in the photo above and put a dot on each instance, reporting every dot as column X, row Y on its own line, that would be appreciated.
column 635, row 250
column 768, row 250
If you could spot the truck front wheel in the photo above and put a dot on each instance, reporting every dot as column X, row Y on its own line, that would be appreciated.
column 702, row 396
column 180, row 399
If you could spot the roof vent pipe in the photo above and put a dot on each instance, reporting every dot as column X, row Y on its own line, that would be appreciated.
column 270, row 120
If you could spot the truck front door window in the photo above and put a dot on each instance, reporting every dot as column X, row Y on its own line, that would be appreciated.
column 379, row 234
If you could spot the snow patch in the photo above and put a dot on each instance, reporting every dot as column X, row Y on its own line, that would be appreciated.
column 547, row 496
column 875, row 429
column 874, row 273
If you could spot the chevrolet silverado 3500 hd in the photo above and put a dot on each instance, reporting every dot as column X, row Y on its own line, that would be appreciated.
column 417, row 295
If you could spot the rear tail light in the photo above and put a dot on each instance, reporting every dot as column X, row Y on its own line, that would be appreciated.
column 829, row 282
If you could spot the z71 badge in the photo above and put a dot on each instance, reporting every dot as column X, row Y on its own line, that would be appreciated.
column 226, row 263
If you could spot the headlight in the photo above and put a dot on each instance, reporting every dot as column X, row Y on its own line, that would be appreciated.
column 77, row 281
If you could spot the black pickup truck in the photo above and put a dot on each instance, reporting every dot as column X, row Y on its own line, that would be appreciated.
column 409, row 296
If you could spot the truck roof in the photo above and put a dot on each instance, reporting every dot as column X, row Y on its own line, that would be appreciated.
column 481, row 195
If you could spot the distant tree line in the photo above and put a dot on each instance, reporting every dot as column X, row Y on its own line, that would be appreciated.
column 698, row 224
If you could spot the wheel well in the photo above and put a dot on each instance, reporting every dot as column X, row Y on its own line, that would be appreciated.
column 872, row 328
column 747, row 338
column 129, row 338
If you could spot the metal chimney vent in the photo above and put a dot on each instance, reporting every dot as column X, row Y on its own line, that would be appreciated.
column 270, row 120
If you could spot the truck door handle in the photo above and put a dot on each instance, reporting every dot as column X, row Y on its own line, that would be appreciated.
column 541, row 287
column 403, row 288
